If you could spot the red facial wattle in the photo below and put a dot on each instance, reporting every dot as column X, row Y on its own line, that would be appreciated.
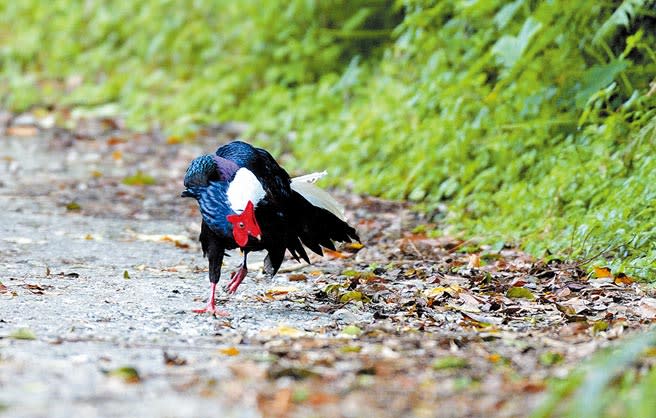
column 245, row 225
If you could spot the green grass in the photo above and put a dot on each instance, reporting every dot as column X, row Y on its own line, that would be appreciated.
column 615, row 383
column 530, row 119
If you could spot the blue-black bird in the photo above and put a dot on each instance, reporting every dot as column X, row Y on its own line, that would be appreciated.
column 249, row 201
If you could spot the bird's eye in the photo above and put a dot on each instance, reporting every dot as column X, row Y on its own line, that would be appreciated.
column 241, row 224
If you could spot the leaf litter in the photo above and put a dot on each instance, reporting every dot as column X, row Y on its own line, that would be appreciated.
column 419, row 320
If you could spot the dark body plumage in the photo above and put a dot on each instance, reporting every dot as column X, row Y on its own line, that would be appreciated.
column 287, row 220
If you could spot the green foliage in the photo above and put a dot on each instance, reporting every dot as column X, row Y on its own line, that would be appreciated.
column 530, row 119
column 610, row 385
column 621, row 17
column 182, row 64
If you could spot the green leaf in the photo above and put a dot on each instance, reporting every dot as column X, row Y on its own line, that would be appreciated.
column 128, row 374
column 333, row 289
column 598, row 77
column 520, row 293
column 450, row 362
column 599, row 326
column 621, row 17
column 353, row 295
column 509, row 49
column 506, row 13
column 549, row 358
column 350, row 348
column 352, row 330
column 139, row 179
column 300, row 395
column 357, row 19
column 73, row 206
column 22, row 334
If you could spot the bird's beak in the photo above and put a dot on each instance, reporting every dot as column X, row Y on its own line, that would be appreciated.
column 258, row 237
column 186, row 193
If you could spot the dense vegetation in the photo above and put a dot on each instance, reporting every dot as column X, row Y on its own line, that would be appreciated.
column 532, row 120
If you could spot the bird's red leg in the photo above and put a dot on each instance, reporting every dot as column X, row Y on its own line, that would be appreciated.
column 211, row 307
column 236, row 278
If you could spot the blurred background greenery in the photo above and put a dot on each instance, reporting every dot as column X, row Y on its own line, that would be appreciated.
column 532, row 120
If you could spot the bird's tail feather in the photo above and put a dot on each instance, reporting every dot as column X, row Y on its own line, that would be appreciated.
column 310, row 178
column 318, row 227
column 320, row 219
column 316, row 196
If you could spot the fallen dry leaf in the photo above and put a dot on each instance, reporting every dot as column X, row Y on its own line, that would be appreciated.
column 229, row 351
column 297, row 278
column 37, row 289
column 353, row 246
column 575, row 305
column 283, row 331
column 117, row 155
column 623, row 279
column 335, row 254
column 474, row 261
column 22, row 130
column 278, row 406
column 280, row 291
column 173, row 360
column 602, row 272
column 114, row 140
column 647, row 308
column 179, row 241
column 322, row 398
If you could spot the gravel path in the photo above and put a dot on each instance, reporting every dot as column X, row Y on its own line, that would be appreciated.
column 103, row 292
column 100, row 268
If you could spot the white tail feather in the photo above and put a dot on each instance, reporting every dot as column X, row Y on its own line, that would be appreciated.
column 316, row 196
column 310, row 178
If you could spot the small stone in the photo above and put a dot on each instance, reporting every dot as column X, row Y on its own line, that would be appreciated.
column 345, row 316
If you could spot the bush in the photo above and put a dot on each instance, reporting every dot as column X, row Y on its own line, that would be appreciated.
column 532, row 120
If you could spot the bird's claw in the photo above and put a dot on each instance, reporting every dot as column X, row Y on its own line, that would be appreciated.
column 210, row 308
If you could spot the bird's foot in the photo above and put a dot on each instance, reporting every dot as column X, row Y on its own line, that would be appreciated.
column 236, row 279
column 210, row 308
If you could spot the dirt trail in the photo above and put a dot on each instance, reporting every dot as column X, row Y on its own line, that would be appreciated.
column 101, row 275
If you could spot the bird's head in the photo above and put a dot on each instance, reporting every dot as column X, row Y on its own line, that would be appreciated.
column 205, row 169
column 245, row 225
column 200, row 171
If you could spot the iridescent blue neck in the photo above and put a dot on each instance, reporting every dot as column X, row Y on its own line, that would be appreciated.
column 214, row 207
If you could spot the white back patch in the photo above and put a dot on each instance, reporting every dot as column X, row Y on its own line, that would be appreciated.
column 244, row 187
